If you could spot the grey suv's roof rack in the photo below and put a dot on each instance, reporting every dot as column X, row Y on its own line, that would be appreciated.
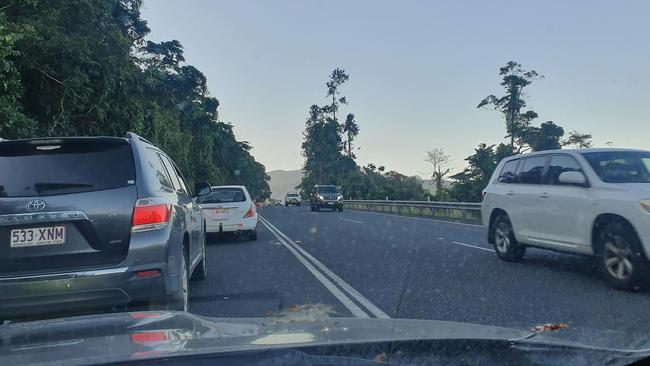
column 133, row 136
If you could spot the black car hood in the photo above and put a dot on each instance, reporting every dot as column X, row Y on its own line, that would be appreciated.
column 147, row 335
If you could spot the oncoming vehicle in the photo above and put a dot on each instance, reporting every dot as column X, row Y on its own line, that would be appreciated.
column 230, row 209
column 77, row 236
column 292, row 199
column 326, row 196
column 587, row 201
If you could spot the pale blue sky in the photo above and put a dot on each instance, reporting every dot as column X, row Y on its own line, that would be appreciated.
column 417, row 69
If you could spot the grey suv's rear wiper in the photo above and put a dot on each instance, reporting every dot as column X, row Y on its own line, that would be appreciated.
column 42, row 187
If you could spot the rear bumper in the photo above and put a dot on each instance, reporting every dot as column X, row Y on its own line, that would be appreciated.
column 77, row 291
column 74, row 291
column 216, row 226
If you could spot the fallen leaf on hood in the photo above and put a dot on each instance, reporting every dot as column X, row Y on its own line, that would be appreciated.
column 549, row 327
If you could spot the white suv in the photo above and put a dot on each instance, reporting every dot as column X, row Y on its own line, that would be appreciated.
column 588, row 201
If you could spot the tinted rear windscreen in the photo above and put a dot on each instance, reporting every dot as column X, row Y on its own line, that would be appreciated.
column 222, row 195
column 68, row 167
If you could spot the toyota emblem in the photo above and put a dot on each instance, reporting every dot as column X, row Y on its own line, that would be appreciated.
column 36, row 205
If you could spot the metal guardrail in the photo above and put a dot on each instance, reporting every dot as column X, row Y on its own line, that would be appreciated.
column 463, row 211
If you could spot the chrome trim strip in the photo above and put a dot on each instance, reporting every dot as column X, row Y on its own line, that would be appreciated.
column 66, row 275
column 30, row 218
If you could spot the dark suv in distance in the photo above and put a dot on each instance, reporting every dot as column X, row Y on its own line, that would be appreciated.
column 325, row 196
column 95, row 222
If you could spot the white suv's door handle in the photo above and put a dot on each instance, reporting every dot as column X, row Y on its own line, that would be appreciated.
column 511, row 193
column 543, row 195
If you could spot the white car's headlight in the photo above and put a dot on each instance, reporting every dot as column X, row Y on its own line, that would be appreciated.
column 320, row 197
column 645, row 204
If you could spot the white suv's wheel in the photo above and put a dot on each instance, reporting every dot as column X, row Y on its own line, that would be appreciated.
column 621, row 260
column 505, row 244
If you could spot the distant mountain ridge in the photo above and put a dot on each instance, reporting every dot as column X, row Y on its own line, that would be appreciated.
column 283, row 181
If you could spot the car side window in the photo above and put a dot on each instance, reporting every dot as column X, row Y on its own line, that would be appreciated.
column 558, row 165
column 508, row 173
column 532, row 170
column 184, row 187
column 161, row 173
column 172, row 172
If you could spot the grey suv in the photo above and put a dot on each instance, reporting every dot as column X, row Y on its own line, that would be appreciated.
column 95, row 222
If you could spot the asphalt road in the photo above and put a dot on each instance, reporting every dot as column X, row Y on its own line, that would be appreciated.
column 363, row 264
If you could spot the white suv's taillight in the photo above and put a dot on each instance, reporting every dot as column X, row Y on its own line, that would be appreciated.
column 150, row 214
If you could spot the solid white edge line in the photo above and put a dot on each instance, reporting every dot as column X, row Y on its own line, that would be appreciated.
column 346, row 301
column 376, row 311
column 472, row 246
column 355, row 221
column 416, row 218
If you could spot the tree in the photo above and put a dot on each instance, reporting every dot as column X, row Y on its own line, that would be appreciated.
column 337, row 78
column 70, row 67
column 578, row 140
column 321, row 148
column 514, row 80
column 545, row 137
column 351, row 130
column 439, row 161
column 470, row 182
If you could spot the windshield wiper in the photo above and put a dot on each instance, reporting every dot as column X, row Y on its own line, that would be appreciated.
column 53, row 186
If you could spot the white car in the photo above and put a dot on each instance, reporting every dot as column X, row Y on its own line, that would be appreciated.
column 229, row 209
column 587, row 201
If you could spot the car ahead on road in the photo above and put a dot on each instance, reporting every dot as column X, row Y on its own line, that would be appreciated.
column 292, row 199
column 587, row 201
column 76, row 235
column 230, row 209
column 326, row 196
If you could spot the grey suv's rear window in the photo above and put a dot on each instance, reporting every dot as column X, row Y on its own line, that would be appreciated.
column 223, row 195
column 41, row 170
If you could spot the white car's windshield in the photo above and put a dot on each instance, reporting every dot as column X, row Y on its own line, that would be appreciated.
column 620, row 166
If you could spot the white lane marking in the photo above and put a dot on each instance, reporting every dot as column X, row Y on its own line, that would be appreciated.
column 355, row 221
column 472, row 246
column 418, row 218
column 376, row 311
column 346, row 301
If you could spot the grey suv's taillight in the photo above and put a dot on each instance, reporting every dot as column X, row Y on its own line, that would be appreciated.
column 150, row 214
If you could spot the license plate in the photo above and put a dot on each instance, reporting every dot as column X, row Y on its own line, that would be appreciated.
column 220, row 213
column 52, row 235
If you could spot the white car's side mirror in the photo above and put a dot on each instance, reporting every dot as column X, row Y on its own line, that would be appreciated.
column 575, row 178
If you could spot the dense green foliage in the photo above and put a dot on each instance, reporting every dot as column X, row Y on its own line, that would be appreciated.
column 523, row 135
column 83, row 67
column 329, row 155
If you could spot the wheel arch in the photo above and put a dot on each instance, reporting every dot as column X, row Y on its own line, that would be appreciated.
column 604, row 219
column 493, row 215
